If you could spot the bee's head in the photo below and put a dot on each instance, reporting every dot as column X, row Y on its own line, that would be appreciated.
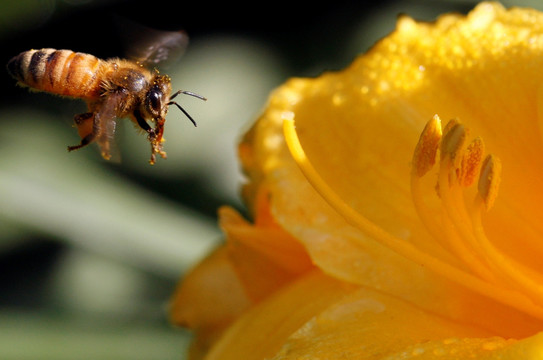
column 158, row 99
column 155, row 106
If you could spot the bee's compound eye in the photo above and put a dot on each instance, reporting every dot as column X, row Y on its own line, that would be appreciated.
column 154, row 98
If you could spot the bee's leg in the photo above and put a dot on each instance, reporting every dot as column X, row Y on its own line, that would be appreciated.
column 154, row 136
column 142, row 123
column 85, row 128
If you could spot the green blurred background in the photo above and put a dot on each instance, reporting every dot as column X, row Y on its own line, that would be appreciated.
column 91, row 251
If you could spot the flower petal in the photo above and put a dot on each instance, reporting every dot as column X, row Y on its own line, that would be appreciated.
column 475, row 348
column 262, row 330
column 255, row 262
column 264, row 255
column 370, row 325
column 200, row 303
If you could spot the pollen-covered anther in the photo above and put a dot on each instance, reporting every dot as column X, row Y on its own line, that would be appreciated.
column 489, row 180
column 471, row 162
column 425, row 153
column 454, row 142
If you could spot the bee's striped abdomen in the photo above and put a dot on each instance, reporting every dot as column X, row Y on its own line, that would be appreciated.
column 61, row 72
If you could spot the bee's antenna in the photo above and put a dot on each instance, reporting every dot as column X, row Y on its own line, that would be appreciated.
column 179, row 106
column 188, row 93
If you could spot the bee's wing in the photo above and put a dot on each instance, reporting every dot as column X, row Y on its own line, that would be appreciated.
column 106, row 124
column 152, row 47
column 164, row 47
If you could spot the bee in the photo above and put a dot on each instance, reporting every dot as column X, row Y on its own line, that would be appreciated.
column 113, row 89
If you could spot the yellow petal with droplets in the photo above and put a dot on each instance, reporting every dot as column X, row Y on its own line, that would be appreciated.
column 261, row 331
column 474, row 348
column 369, row 325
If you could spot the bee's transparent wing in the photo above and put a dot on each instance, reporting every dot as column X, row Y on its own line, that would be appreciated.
column 152, row 47
column 106, row 125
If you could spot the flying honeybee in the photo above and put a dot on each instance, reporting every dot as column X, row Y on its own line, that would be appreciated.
column 113, row 89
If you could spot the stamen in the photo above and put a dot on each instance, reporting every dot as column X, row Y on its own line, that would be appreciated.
column 463, row 251
column 424, row 157
column 504, row 269
column 460, row 225
column 458, row 222
column 489, row 180
column 471, row 162
column 516, row 274
column 454, row 140
column 441, row 228
column 400, row 246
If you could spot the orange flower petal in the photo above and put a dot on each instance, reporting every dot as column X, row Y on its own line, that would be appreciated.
column 261, row 331
column 265, row 257
column 255, row 262
column 474, row 348
column 200, row 303
column 370, row 325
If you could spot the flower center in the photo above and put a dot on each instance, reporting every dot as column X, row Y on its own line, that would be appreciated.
column 458, row 228
column 458, row 225
column 458, row 168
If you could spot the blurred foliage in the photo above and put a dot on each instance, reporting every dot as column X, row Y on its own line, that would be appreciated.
column 90, row 251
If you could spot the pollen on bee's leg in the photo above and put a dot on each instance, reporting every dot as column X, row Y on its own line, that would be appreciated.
column 84, row 123
column 106, row 155
column 156, row 148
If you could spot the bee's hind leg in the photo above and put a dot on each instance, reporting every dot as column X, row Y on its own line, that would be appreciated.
column 85, row 128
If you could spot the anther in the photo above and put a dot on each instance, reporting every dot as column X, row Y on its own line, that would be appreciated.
column 425, row 153
column 454, row 139
column 489, row 180
column 471, row 162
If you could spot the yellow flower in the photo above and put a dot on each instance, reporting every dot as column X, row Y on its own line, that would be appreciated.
column 380, row 232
